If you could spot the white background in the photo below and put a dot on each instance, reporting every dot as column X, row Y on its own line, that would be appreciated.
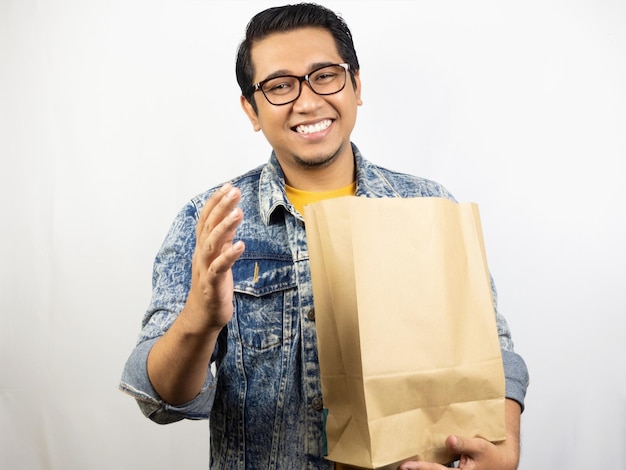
column 114, row 113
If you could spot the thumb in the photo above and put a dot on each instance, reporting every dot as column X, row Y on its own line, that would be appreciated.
column 455, row 444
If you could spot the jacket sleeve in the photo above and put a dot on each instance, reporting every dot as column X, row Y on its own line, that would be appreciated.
column 515, row 370
column 171, row 281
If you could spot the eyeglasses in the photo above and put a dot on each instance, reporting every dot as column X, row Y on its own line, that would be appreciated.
column 285, row 89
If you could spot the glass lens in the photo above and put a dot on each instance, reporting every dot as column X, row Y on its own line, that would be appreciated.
column 328, row 80
column 281, row 89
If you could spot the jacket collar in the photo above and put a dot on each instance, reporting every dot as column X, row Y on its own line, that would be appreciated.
column 370, row 182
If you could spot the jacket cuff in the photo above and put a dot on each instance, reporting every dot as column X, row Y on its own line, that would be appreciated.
column 135, row 382
column 516, row 376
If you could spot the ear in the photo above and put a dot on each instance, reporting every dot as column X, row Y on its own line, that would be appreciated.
column 251, row 113
column 357, row 88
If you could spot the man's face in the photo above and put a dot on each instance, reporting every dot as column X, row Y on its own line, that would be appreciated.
column 313, row 132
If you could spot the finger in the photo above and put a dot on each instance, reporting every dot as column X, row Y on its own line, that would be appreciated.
column 461, row 445
column 229, row 199
column 455, row 444
column 218, row 223
column 225, row 260
column 222, row 235
column 216, row 205
column 222, row 213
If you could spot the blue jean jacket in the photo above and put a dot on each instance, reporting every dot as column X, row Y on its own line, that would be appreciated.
column 263, row 395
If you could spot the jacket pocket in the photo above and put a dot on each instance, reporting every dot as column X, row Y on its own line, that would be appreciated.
column 264, row 286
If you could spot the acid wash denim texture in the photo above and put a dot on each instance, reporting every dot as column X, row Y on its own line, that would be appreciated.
column 264, row 401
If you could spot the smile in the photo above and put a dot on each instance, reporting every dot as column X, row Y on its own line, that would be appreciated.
column 317, row 127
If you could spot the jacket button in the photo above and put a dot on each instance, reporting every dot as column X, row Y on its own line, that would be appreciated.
column 311, row 314
column 317, row 404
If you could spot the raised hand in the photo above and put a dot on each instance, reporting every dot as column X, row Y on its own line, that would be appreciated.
column 179, row 360
column 209, row 302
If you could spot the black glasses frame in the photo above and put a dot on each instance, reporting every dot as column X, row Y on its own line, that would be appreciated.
column 304, row 78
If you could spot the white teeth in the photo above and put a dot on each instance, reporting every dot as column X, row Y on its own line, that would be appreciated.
column 320, row 126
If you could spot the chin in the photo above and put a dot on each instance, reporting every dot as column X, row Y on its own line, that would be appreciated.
column 318, row 160
column 314, row 162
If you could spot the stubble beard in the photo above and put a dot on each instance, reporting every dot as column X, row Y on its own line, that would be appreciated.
column 320, row 161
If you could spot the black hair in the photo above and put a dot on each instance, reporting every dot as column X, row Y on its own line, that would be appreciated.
column 287, row 18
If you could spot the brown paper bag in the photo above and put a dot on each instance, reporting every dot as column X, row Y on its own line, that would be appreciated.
column 407, row 339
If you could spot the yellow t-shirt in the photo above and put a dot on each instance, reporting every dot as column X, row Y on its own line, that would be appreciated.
column 300, row 198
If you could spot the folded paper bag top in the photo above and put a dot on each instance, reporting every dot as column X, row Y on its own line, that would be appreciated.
column 406, row 330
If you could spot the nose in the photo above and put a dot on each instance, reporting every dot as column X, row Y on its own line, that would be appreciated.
column 308, row 99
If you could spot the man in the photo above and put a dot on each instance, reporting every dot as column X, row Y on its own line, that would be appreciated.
column 232, row 286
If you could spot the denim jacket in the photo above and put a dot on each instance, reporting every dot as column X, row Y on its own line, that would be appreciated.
column 263, row 394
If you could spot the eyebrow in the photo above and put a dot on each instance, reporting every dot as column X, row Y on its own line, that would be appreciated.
column 283, row 72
